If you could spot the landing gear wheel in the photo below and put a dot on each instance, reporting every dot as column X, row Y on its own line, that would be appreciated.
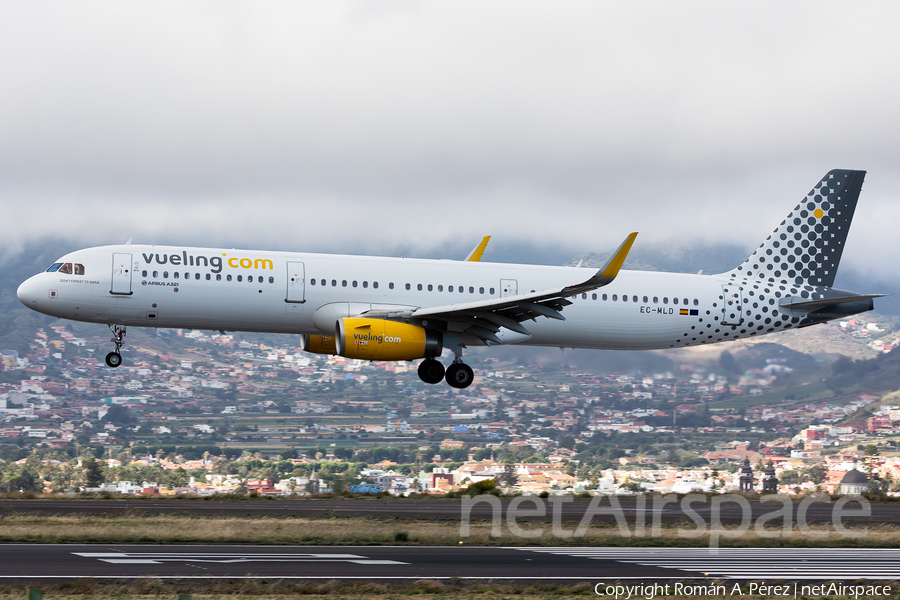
column 113, row 359
column 431, row 371
column 460, row 375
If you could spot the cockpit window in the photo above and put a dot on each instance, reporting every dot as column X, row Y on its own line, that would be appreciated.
column 67, row 268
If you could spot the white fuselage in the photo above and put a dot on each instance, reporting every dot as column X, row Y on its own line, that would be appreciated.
column 284, row 292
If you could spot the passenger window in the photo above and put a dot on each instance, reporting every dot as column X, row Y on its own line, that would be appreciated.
column 615, row 297
column 271, row 279
column 461, row 289
column 208, row 276
column 240, row 278
column 375, row 284
column 624, row 298
column 471, row 290
column 685, row 301
column 481, row 290
column 155, row 274
column 492, row 291
column 584, row 295
column 419, row 287
column 674, row 300
column 197, row 276
column 165, row 274
column 440, row 288
column 645, row 299
column 228, row 277
column 311, row 281
column 143, row 273
column 334, row 283
column 354, row 283
column 218, row 277
column 696, row 302
column 604, row 297
column 66, row 268
column 79, row 269
column 54, row 267
column 365, row 284
column 665, row 300
column 408, row 286
column 449, row 288
column 391, row 285
column 343, row 283
column 655, row 299
column 593, row 296
column 634, row 299
column 430, row 287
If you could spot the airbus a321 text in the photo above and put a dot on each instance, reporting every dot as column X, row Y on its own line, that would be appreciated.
column 400, row 309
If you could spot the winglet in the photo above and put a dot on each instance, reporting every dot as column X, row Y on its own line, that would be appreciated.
column 607, row 273
column 475, row 255
column 612, row 266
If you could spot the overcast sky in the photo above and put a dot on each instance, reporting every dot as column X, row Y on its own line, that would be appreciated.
column 381, row 127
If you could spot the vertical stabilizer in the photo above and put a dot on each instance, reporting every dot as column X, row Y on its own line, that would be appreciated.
column 806, row 248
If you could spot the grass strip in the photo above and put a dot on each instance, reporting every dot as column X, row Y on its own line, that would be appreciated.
column 183, row 529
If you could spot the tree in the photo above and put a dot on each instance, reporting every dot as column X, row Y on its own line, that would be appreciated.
column 509, row 473
column 484, row 486
column 117, row 414
column 817, row 474
column 93, row 475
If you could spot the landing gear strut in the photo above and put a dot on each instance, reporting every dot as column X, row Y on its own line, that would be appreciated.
column 114, row 358
column 431, row 371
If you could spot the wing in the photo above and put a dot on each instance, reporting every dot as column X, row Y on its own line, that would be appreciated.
column 485, row 318
column 477, row 251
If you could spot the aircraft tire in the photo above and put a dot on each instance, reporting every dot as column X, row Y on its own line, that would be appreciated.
column 113, row 359
column 431, row 371
column 460, row 375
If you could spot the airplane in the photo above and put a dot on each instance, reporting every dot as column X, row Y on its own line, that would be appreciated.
column 403, row 309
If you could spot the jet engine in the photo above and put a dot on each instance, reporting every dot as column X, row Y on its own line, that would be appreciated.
column 318, row 344
column 377, row 339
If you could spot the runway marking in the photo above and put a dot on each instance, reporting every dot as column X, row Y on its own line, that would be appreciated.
column 157, row 558
column 752, row 563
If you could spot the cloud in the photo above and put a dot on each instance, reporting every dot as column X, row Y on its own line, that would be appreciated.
column 347, row 127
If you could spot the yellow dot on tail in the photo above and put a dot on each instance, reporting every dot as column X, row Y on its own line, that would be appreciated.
column 818, row 212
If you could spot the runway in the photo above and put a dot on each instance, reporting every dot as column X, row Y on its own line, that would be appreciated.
column 61, row 562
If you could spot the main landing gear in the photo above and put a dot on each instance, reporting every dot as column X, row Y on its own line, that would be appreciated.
column 458, row 375
column 114, row 358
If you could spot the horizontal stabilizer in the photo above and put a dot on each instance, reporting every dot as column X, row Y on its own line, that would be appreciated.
column 810, row 305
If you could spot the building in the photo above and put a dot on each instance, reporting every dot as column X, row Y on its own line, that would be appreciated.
column 854, row 482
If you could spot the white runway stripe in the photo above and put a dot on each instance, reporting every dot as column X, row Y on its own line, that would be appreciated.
column 753, row 563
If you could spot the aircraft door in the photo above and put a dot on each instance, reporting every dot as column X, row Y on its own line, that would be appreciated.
column 508, row 287
column 121, row 275
column 296, row 282
column 732, row 305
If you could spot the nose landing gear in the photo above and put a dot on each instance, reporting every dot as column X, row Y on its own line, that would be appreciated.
column 114, row 358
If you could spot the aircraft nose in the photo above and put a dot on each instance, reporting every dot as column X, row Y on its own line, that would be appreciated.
column 28, row 292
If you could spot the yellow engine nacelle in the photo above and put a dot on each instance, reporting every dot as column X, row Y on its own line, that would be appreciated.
column 377, row 339
column 318, row 344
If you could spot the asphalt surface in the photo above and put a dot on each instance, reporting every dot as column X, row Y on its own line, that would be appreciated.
column 61, row 562
column 438, row 509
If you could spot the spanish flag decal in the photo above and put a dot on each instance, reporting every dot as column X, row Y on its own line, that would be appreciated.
column 693, row 312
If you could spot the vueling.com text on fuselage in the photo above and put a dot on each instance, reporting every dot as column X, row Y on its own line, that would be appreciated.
column 214, row 262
